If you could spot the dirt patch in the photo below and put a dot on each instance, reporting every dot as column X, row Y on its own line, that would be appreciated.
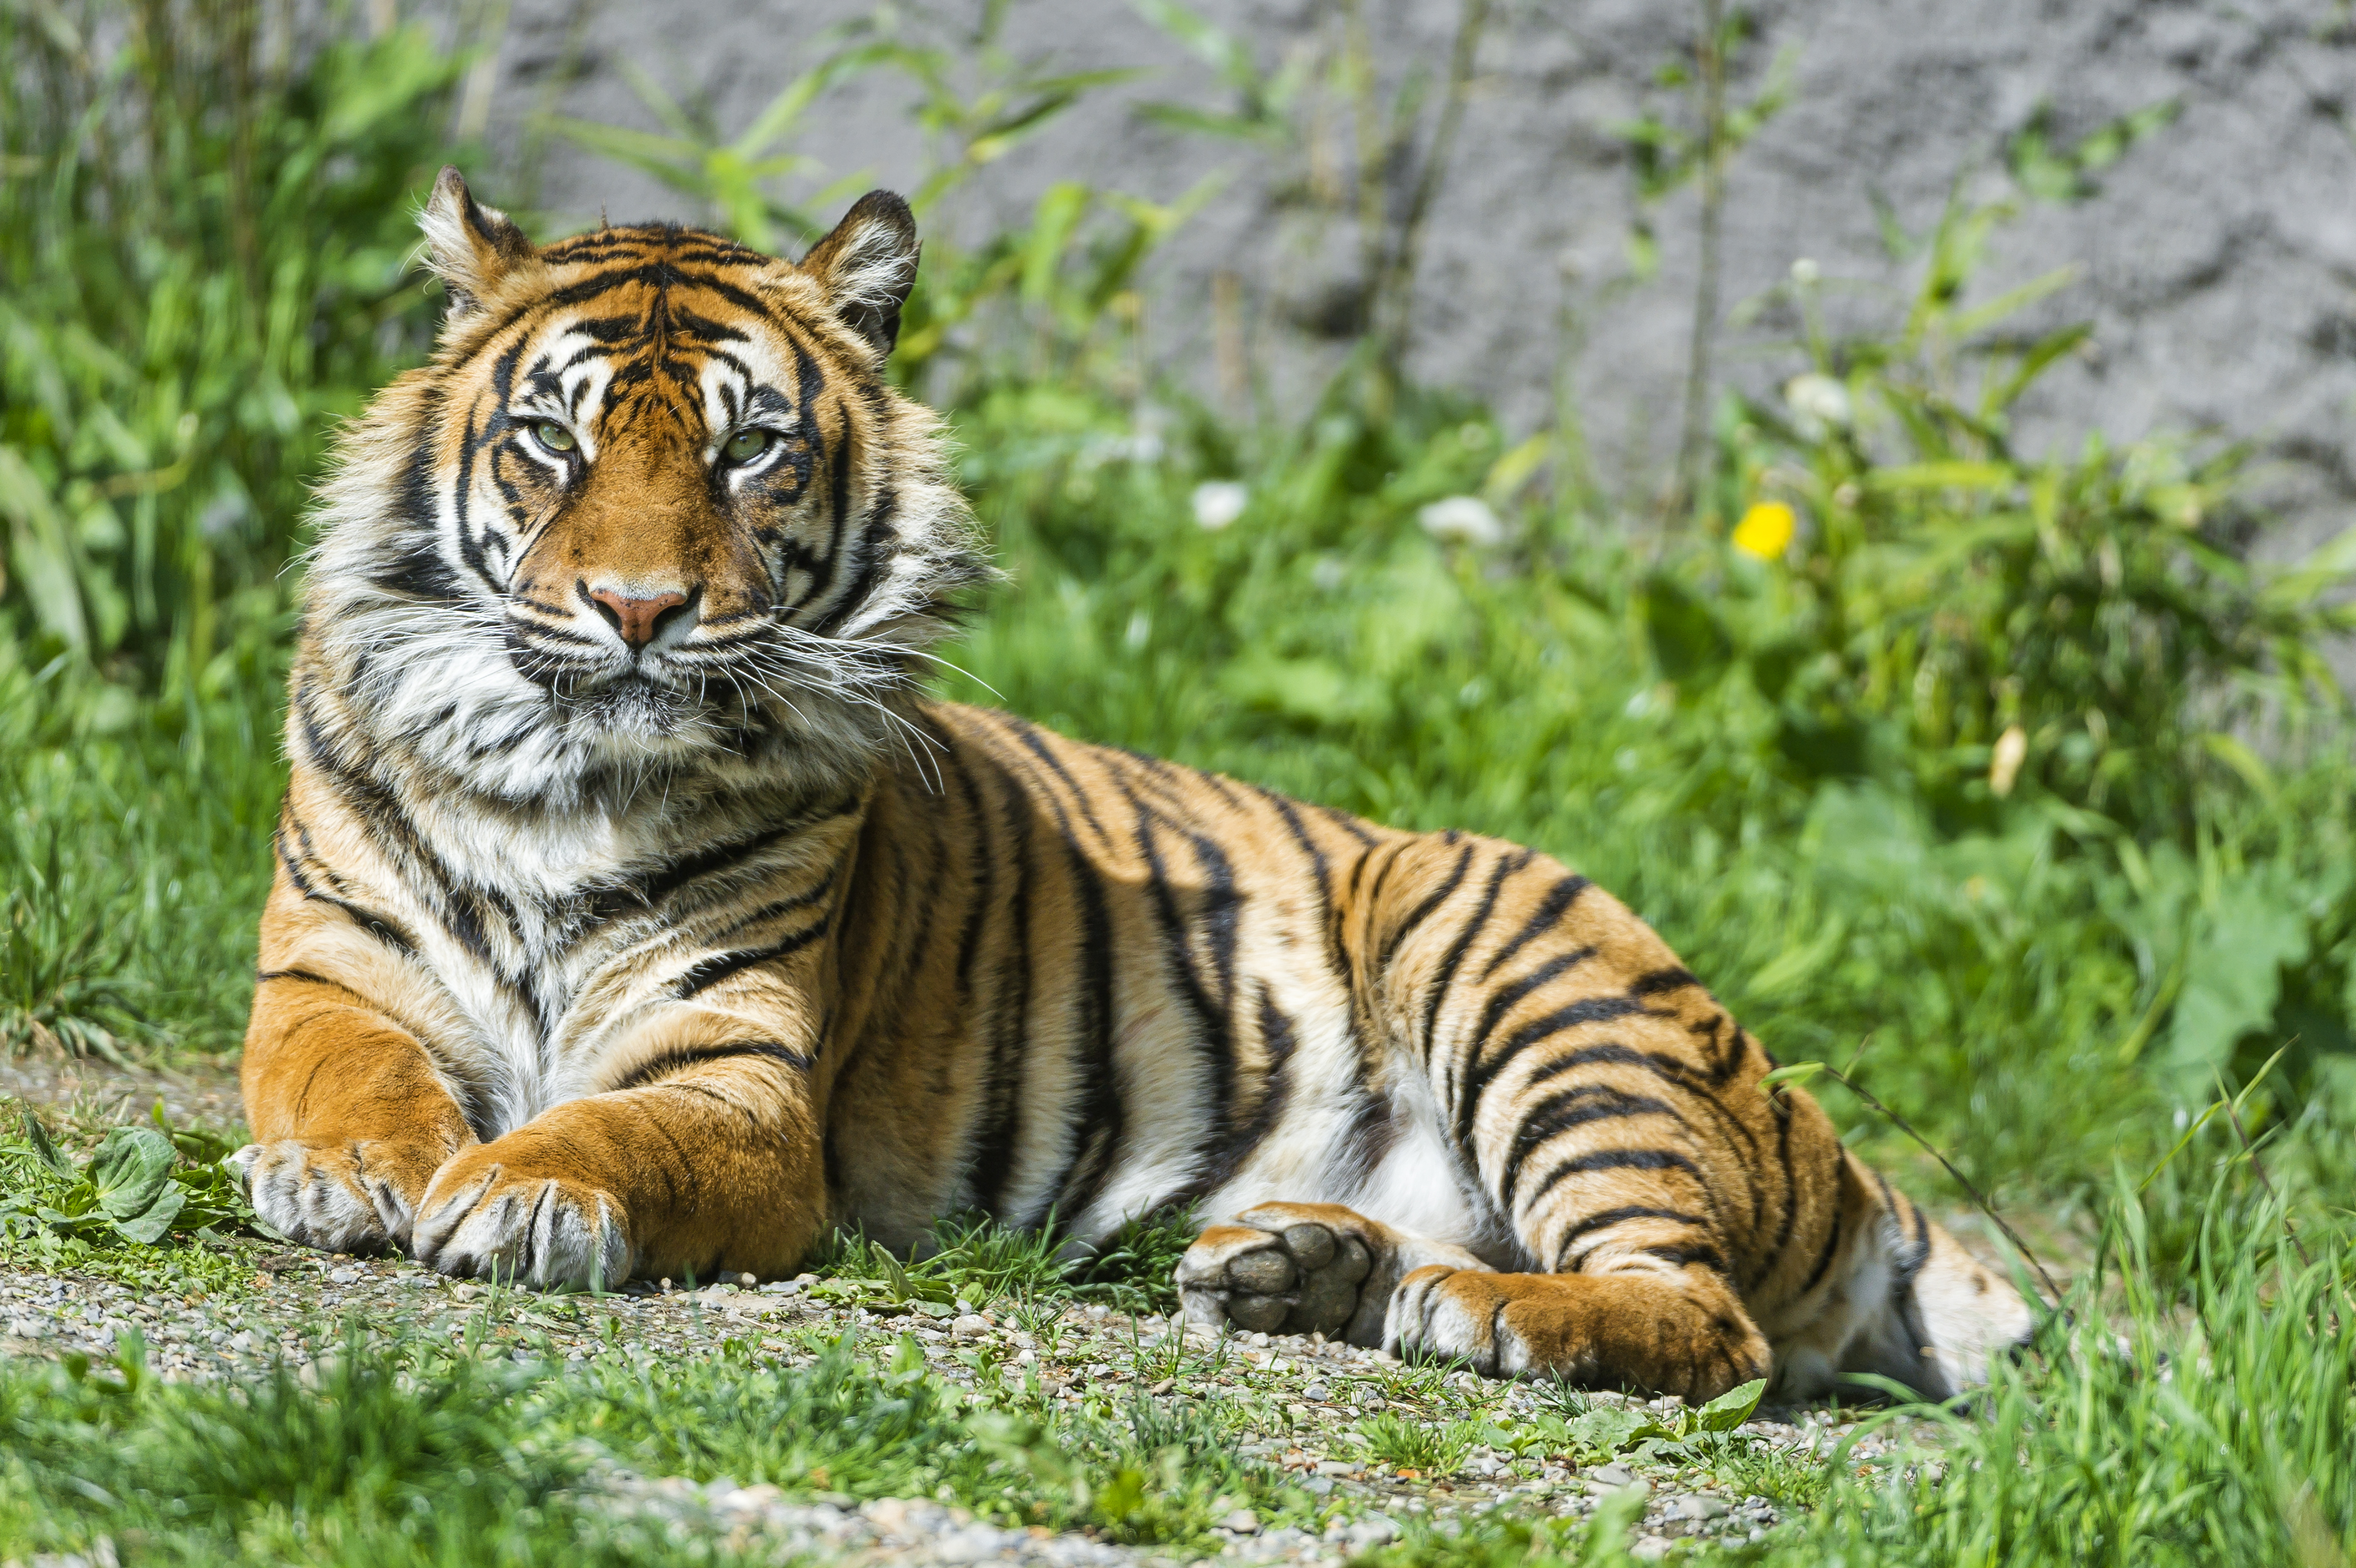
column 200, row 1094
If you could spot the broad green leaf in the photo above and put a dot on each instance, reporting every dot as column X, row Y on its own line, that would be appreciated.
column 2233, row 972
column 1790, row 1072
column 131, row 1171
column 152, row 1225
column 1608, row 1430
column 1732, row 1408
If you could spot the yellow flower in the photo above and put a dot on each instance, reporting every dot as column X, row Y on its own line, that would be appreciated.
column 1765, row 530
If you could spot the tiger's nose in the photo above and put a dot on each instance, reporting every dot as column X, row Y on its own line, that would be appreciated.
column 639, row 620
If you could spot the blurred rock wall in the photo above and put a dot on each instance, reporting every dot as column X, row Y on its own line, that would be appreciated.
column 2218, row 254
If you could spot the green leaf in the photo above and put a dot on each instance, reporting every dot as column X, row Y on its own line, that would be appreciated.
column 1732, row 1408
column 39, row 1136
column 1607, row 1430
column 1947, row 475
column 2236, row 754
column 1790, row 1072
column 131, row 1171
column 2244, row 938
column 155, row 1223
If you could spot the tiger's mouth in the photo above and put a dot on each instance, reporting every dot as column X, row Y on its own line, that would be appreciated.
column 650, row 696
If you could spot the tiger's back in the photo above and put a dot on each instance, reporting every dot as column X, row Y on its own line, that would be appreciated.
column 636, row 913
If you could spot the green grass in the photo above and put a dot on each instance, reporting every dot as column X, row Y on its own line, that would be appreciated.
column 970, row 1259
column 401, row 1449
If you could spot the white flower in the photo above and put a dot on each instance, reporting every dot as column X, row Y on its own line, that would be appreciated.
column 1466, row 520
column 1818, row 399
column 1805, row 272
column 1218, row 502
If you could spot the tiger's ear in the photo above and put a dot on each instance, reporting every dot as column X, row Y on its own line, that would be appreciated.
column 868, row 265
column 468, row 246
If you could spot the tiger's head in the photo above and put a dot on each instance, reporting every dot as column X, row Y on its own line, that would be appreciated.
column 651, row 509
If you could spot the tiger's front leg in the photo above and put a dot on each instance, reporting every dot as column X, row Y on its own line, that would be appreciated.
column 350, row 1118
column 708, row 1162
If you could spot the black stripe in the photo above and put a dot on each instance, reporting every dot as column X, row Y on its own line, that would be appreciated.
column 1903, row 1279
column 1669, row 1070
column 707, row 972
column 263, row 976
column 461, row 908
column 1337, row 955
column 1214, row 917
column 1559, row 1114
column 993, row 1150
column 1782, row 1104
column 1371, row 1132
column 1034, row 740
column 1348, row 824
column 1607, row 1218
column 1621, row 1159
column 1551, row 908
column 665, row 1062
column 1277, row 1039
column 376, row 925
column 981, row 895
column 1824, row 1259
column 1683, row 1256
column 1101, row 1111
column 1423, row 911
column 1472, row 928
column 873, row 561
column 1504, row 998
column 1661, row 980
column 651, row 888
column 1483, row 1073
column 1101, row 1115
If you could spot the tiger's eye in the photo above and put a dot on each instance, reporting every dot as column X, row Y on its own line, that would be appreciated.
column 746, row 445
column 554, row 436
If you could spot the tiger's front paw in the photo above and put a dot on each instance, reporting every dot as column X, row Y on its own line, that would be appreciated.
column 491, row 1212
column 342, row 1198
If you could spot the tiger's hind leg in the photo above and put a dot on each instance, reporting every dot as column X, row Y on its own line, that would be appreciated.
column 1598, row 1330
column 1603, row 1109
column 1305, row 1268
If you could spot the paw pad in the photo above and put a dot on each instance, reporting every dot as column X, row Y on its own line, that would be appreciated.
column 1300, row 1279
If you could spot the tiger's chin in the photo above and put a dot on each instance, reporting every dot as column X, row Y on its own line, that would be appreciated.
column 633, row 708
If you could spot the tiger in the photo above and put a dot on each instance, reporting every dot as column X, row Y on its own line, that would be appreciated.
column 638, row 914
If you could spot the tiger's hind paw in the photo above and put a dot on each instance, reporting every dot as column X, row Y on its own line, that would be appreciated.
column 1658, row 1335
column 1297, row 1268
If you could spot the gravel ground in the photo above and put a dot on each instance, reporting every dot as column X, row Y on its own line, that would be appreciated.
column 296, row 1301
column 293, row 1294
